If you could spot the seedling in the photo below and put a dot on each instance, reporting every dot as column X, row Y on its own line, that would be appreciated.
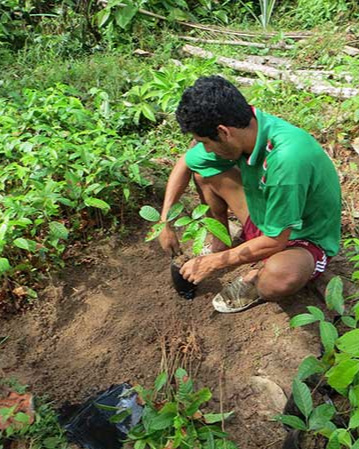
column 172, row 417
column 195, row 227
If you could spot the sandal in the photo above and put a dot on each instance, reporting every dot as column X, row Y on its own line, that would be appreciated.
column 237, row 297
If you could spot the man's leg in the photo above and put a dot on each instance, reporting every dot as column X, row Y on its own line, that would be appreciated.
column 221, row 192
column 283, row 274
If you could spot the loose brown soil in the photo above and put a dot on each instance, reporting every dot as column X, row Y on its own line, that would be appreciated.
column 115, row 317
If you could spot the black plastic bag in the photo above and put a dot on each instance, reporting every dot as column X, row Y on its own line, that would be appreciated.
column 90, row 426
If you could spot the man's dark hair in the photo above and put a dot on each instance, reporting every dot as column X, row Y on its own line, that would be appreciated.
column 210, row 102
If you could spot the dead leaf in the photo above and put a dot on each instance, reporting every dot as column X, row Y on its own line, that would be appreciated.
column 355, row 145
column 20, row 291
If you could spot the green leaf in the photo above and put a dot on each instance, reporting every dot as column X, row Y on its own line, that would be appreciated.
column 185, row 388
column 119, row 416
column 354, row 420
column 107, row 408
column 155, row 231
column 211, row 418
column 199, row 211
column 99, row 204
column 355, row 445
column 162, row 421
column 28, row 245
column 349, row 343
column 125, row 15
column 175, row 210
column 103, row 16
column 23, row 418
column 349, row 321
column 4, row 265
column 302, row 397
column 320, row 416
column 140, row 444
column 160, row 381
column 58, row 230
column 309, row 366
column 328, row 335
column 334, row 295
column 333, row 442
column 302, row 320
column 291, row 421
column 148, row 112
column 199, row 240
column 218, row 230
column 342, row 375
column 149, row 213
column 317, row 313
column 183, row 221
column 181, row 373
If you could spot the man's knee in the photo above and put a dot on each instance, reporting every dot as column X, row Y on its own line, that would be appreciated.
column 274, row 282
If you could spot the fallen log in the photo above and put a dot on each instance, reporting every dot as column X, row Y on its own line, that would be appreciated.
column 280, row 46
column 308, row 83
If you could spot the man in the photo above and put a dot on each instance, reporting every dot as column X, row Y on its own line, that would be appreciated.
column 275, row 178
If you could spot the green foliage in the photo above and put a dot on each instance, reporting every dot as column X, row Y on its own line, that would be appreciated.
column 266, row 11
column 195, row 226
column 44, row 433
column 339, row 366
column 173, row 416
column 62, row 164
column 352, row 246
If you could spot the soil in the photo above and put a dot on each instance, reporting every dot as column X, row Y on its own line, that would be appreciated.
column 113, row 316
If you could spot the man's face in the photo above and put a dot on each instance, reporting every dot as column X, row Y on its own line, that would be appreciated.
column 225, row 147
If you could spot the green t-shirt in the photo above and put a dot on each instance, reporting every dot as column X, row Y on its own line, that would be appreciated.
column 289, row 182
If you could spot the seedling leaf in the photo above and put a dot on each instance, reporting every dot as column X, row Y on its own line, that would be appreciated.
column 183, row 221
column 4, row 265
column 155, row 231
column 334, row 295
column 211, row 418
column 349, row 342
column 149, row 213
column 291, row 421
column 58, row 230
column 199, row 240
column 328, row 335
column 218, row 230
column 317, row 313
column 342, row 375
column 320, row 416
column 302, row 397
column 160, row 381
column 175, row 210
column 199, row 211
column 354, row 420
column 99, row 204
column 349, row 321
column 309, row 366
column 302, row 320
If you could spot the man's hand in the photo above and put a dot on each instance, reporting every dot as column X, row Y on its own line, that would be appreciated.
column 195, row 270
column 169, row 241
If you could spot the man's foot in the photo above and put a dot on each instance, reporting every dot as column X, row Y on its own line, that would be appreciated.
column 237, row 297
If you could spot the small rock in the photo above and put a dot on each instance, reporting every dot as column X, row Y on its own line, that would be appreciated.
column 270, row 397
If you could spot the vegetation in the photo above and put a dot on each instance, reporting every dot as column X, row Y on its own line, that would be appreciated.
column 172, row 417
column 337, row 420
column 196, row 226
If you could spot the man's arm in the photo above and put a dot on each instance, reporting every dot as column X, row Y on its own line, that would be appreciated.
column 254, row 250
column 176, row 185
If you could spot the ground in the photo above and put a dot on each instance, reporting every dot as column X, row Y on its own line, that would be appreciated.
column 113, row 316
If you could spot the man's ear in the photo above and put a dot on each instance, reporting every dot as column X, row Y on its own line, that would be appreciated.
column 223, row 132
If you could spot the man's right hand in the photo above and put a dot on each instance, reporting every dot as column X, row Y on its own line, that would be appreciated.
column 169, row 241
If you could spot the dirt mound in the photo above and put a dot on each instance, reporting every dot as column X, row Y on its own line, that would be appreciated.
column 115, row 318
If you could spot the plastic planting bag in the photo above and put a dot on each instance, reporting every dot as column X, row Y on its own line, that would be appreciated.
column 103, row 421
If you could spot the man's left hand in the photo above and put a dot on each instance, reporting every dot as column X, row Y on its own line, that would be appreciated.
column 195, row 270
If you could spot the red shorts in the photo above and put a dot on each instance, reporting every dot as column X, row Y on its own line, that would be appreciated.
column 321, row 260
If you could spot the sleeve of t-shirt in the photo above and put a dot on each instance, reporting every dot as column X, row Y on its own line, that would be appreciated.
column 286, row 194
column 206, row 164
